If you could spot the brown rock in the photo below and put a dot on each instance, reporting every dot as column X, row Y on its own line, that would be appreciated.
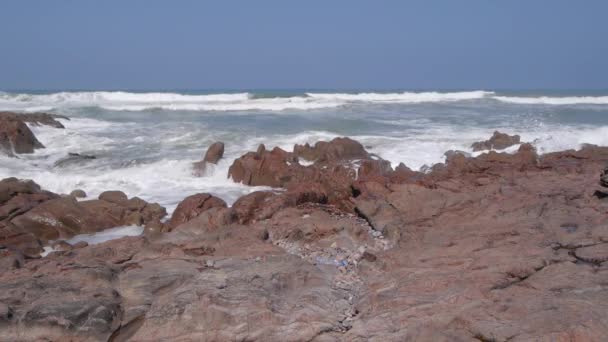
column 16, row 137
column 498, row 141
column 193, row 206
column 214, row 153
column 334, row 150
column 36, row 118
column 246, row 207
column 117, row 197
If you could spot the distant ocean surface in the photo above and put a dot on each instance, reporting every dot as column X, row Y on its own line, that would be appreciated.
column 145, row 142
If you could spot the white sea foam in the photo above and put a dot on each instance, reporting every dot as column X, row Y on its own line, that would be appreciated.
column 405, row 97
column 555, row 101
column 127, row 101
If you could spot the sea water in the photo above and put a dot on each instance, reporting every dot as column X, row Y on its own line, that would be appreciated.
column 146, row 142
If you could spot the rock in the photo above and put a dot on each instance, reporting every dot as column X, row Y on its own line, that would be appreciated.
column 62, row 246
column 495, row 247
column 334, row 150
column 273, row 168
column 36, row 118
column 594, row 254
column 80, row 244
column 117, row 197
column 30, row 216
column 64, row 218
column 214, row 153
column 78, row 193
column 498, row 141
column 16, row 137
column 74, row 159
column 374, row 168
column 193, row 206
column 453, row 153
column 246, row 207
column 604, row 178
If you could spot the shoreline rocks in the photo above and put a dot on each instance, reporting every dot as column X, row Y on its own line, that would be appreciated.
column 494, row 247
column 498, row 141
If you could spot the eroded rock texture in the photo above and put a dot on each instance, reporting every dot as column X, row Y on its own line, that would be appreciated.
column 502, row 247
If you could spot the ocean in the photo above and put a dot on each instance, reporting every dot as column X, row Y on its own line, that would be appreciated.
column 145, row 142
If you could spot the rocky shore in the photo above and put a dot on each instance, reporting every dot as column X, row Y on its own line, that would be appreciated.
column 498, row 247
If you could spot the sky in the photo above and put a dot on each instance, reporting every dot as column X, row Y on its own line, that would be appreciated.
column 313, row 44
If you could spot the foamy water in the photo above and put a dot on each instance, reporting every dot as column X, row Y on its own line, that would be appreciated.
column 145, row 143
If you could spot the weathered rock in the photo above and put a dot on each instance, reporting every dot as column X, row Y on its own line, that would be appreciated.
column 246, row 207
column 193, row 206
column 16, row 137
column 498, row 141
column 498, row 247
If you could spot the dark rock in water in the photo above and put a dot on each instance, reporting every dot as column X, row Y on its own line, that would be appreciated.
column 498, row 141
column 37, row 118
column 73, row 158
column 16, row 137
column 214, row 153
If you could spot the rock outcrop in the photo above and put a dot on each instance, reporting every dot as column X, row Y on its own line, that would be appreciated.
column 498, row 141
column 214, row 153
column 37, row 119
column 16, row 137
column 30, row 217
column 499, row 247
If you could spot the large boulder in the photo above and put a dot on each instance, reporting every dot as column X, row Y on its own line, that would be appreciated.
column 16, row 137
column 498, row 141
column 193, row 206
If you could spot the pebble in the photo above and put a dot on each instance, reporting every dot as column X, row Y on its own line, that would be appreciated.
column 334, row 245
column 210, row 263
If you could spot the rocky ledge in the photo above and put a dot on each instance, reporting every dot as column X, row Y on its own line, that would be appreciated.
column 500, row 247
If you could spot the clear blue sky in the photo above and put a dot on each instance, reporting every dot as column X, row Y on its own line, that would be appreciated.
column 524, row 44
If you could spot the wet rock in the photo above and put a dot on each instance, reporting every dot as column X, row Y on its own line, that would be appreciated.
column 214, row 153
column 16, row 137
column 498, row 141
column 74, row 159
